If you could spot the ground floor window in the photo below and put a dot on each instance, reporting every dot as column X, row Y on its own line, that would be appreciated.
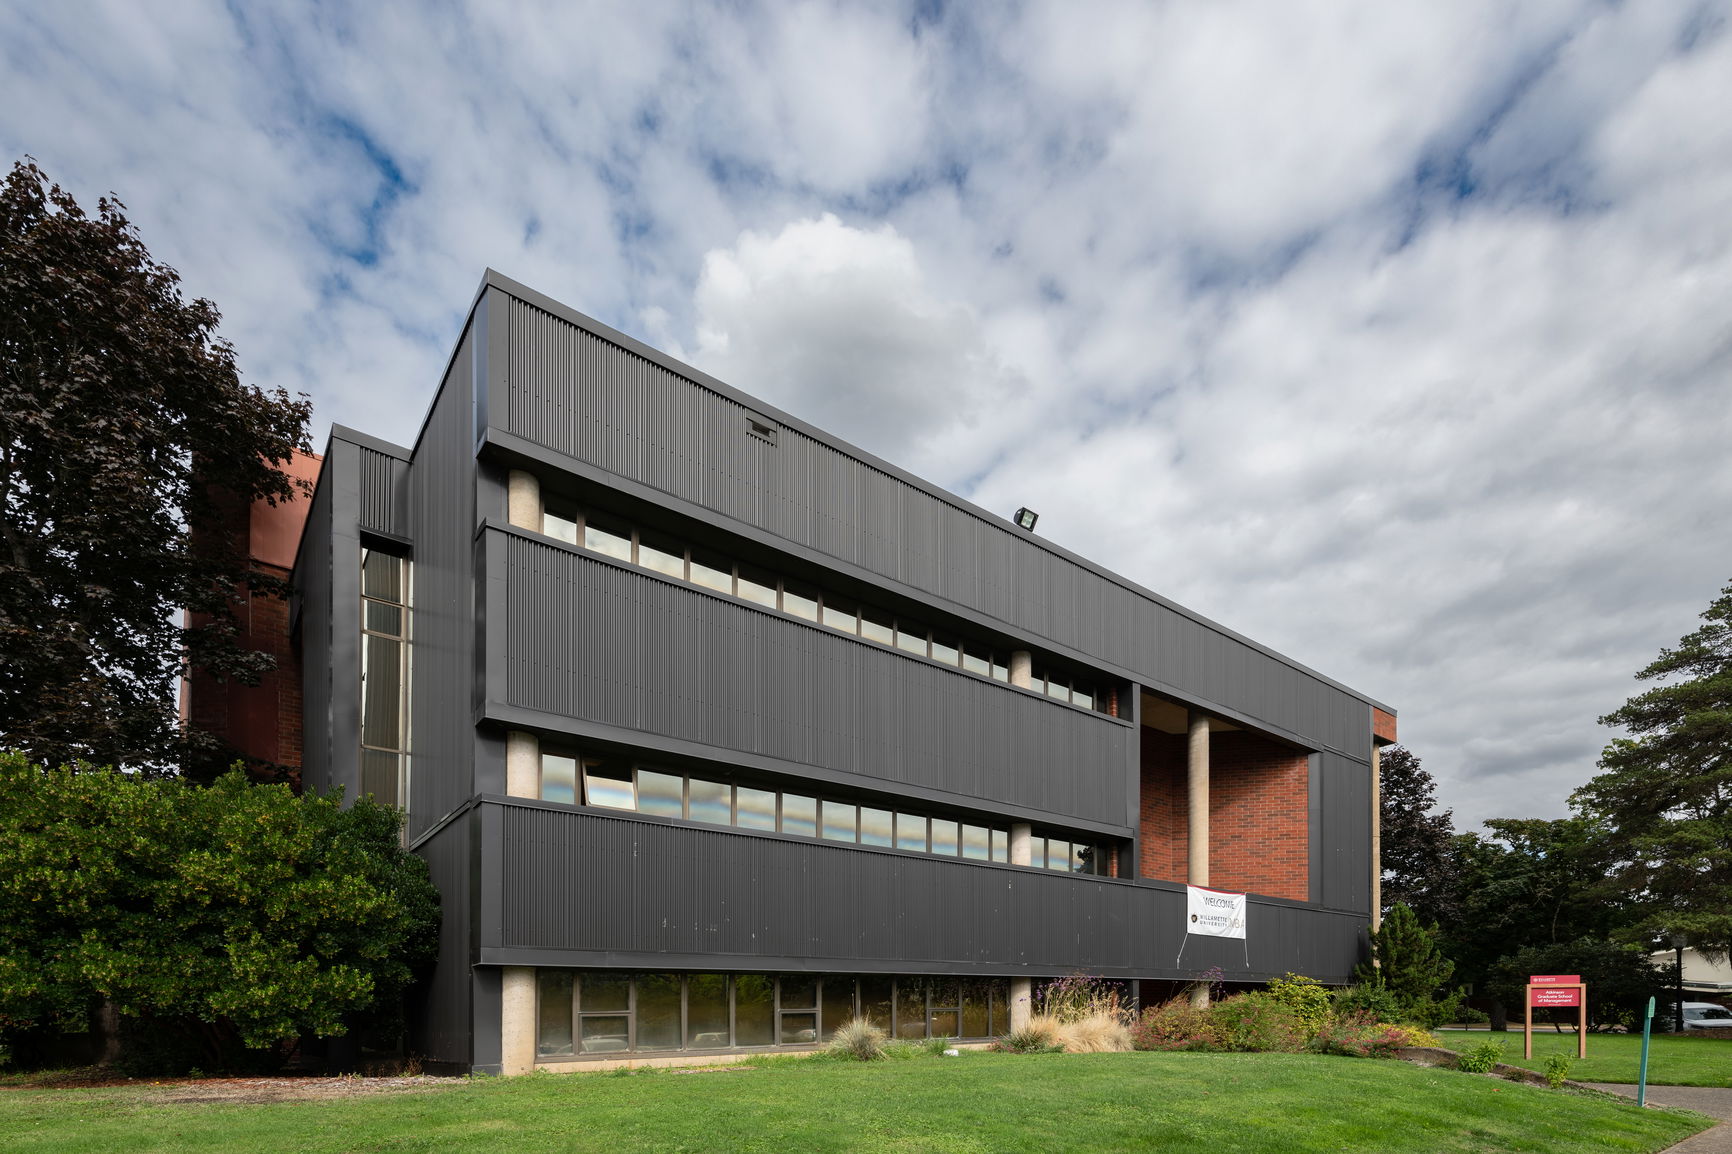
column 600, row 1012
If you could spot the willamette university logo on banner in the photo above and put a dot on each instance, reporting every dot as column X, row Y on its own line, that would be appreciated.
column 1213, row 913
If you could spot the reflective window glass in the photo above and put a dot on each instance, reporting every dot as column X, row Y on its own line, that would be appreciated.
column 911, row 832
column 944, row 652
column 384, row 618
column 946, row 1024
column 944, row 836
column 756, row 587
column 838, row 1005
column 1001, row 845
column 799, row 992
column 976, row 843
column 606, row 1034
column 706, row 1011
column 662, row 555
column 976, row 1009
column 875, row 826
column 560, row 526
column 839, row 821
column 877, row 626
column 911, row 636
column 1057, row 687
column 1083, row 696
column 553, row 1013
column 558, row 778
column 608, row 786
column 977, row 660
column 660, row 793
column 999, row 672
column 799, row 815
column 1057, row 854
column 754, row 1010
column 756, row 808
column 801, row 602
column 839, row 614
column 612, row 540
column 712, row 572
column 381, row 691
column 1078, row 857
column 658, row 1011
column 605, row 992
column 998, row 998
column 381, row 771
column 1091, row 859
column 876, row 1001
column 910, row 1008
column 381, row 575
column 799, row 1029
column 711, row 801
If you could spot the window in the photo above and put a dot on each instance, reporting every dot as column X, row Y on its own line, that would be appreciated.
column 384, row 677
column 559, row 778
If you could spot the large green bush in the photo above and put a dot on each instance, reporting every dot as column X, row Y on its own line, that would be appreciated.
column 233, row 915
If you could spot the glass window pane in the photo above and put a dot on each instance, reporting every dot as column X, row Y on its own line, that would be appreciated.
column 839, row 819
column 911, row 636
column 553, row 1013
column 944, row 836
column 608, row 786
column 799, row 992
column 660, row 793
column 1057, row 854
column 946, row 1024
column 1078, row 857
column 661, row 554
column 799, row 815
column 381, row 692
column 998, row 997
column 838, row 1005
column 710, row 801
column 977, row 661
column 604, row 992
column 706, row 1011
column 911, row 832
column 756, row 587
column 380, row 776
column 999, row 672
column 1082, row 695
column 801, row 602
column 558, row 778
column 385, row 618
column 944, row 652
column 976, row 1010
column 1000, row 845
column 976, row 843
column 910, row 1008
column 606, row 1035
column 610, row 539
column 560, row 526
column 754, row 1010
column 944, row 992
column 876, row 1001
column 1057, row 687
column 875, row 826
column 877, row 626
column 381, row 575
column 839, row 614
column 799, row 1029
column 756, row 808
column 658, row 1011
column 1091, row 859
column 712, row 572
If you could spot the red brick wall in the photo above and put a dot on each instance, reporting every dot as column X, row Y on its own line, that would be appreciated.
column 1259, row 828
column 262, row 722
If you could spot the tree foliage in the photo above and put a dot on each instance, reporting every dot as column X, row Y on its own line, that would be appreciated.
column 1665, row 791
column 1406, row 961
column 1420, row 860
column 123, row 426
column 1620, row 978
column 238, row 914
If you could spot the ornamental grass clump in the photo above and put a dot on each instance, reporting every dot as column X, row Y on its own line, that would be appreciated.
column 858, row 1040
column 1040, row 1036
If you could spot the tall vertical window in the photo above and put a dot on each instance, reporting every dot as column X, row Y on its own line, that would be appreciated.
column 384, row 677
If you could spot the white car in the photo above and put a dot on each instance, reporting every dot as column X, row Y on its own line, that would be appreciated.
column 1697, row 1016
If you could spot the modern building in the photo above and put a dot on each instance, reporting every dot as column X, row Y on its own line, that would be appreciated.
column 716, row 731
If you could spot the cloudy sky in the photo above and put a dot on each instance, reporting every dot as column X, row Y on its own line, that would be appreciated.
column 1395, row 335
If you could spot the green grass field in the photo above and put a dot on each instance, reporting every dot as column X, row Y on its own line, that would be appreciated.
column 1673, row 1060
column 1275, row 1103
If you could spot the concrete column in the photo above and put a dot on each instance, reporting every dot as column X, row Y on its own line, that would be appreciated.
column 517, row 1020
column 523, row 500
column 522, row 764
column 1022, row 669
column 1197, row 801
column 1376, row 838
column 1021, row 843
column 1021, row 1002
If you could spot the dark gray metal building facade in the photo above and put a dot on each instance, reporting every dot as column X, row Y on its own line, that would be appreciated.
column 516, row 631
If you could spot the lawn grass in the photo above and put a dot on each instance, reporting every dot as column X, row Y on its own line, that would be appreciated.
column 1252, row 1103
column 1673, row 1060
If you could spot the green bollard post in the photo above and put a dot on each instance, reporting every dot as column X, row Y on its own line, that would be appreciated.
column 1647, row 1028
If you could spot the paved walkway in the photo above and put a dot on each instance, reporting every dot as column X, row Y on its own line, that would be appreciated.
column 1712, row 1101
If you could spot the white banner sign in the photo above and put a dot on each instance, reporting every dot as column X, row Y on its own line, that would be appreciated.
column 1213, row 913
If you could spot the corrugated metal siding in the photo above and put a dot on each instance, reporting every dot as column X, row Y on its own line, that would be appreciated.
column 443, row 1024
column 441, row 515
column 1345, row 828
column 588, row 639
column 736, row 899
column 578, row 394
column 313, row 584
column 383, row 493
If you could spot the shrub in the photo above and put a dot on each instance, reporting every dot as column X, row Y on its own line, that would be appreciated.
column 1359, row 1035
column 859, row 1040
column 1307, row 999
column 934, row 1045
column 1040, row 1036
column 1557, row 1071
column 1367, row 998
column 1102, row 1032
column 1256, row 1023
column 1175, row 1025
column 1481, row 1058
column 1414, row 1036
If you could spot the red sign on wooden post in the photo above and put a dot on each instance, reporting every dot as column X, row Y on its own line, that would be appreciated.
column 1556, row 990
column 1555, row 980
column 1567, row 996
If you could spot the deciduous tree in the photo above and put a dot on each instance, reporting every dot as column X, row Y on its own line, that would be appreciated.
column 123, row 425
column 1421, row 862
